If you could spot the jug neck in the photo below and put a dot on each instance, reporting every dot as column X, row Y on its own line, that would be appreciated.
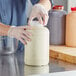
column 57, row 10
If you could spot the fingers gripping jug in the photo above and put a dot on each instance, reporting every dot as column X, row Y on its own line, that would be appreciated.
column 37, row 51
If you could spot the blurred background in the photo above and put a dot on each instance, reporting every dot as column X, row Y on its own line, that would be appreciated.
column 67, row 4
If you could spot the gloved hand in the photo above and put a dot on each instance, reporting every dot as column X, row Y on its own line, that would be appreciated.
column 20, row 33
column 39, row 12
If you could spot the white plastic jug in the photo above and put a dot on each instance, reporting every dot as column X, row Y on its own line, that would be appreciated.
column 37, row 51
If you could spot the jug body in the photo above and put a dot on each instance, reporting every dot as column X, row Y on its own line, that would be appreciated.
column 37, row 51
column 8, row 45
column 56, row 25
column 71, row 28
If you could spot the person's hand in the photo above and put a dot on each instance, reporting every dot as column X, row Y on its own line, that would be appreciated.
column 20, row 33
column 39, row 12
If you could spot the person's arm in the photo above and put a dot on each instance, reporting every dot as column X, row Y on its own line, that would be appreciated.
column 4, row 29
column 46, row 4
column 19, row 32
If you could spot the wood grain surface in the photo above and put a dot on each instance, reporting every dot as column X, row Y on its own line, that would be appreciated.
column 64, row 53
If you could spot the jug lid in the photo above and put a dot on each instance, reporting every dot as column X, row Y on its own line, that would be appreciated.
column 58, row 7
column 73, row 8
column 35, row 23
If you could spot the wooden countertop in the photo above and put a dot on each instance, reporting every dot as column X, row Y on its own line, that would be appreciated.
column 63, row 53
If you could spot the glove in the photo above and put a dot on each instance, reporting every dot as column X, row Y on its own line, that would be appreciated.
column 39, row 12
column 20, row 33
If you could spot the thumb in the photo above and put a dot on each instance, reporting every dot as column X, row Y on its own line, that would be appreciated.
column 30, row 20
column 40, row 19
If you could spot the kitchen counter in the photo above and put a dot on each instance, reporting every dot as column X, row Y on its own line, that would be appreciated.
column 13, row 65
column 67, row 73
